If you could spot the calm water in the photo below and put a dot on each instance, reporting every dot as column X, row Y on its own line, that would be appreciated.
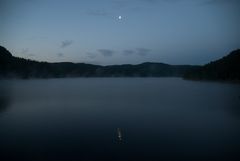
column 160, row 119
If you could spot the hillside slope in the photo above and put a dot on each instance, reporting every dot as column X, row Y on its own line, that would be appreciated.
column 226, row 68
column 13, row 67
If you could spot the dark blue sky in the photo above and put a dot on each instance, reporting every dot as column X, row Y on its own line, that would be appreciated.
column 169, row 31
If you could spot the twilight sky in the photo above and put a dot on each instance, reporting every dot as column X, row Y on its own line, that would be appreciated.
column 169, row 31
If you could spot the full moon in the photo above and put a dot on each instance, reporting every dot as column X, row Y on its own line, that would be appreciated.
column 119, row 17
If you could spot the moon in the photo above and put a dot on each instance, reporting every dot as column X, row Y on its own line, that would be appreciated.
column 119, row 17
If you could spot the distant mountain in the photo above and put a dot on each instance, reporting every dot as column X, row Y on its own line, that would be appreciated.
column 13, row 67
column 226, row 68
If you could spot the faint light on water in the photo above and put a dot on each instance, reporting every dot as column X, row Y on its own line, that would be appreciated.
column 119, row 134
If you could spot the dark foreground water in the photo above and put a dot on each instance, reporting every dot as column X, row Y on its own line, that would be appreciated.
column 160, row 119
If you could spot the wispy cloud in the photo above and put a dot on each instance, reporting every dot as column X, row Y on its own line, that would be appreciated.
column 91, row 55
column 124, row 4
column 143, row 51
column 137, row 51
column 106, row 52
column 66, row 43
column 128, row 52
column 60, row 54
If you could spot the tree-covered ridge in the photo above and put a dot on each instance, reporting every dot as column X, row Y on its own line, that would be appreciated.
column 13, row 67
column 226, row 68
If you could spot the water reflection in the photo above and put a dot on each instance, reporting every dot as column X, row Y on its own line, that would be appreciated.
column 4, row 97
column 4, row 102
column 119, row 134
column 233, row 108
column 119, row 119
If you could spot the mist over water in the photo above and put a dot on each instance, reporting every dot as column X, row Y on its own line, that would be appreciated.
column 159, row 118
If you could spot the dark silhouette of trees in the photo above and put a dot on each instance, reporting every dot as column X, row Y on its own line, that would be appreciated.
column 226, row 68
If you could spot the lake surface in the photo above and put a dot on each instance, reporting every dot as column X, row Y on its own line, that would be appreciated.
column 160, row 119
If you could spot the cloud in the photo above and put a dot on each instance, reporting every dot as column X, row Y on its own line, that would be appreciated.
column 91, row 55
column 128, row 52
column 60, row 54
column 66, row 43
column 106, row 52
column 123, row 4
column 142, row 51
column 138, row 51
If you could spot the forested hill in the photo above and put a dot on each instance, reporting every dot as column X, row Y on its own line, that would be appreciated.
column 226, row 68
column 13, row 67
